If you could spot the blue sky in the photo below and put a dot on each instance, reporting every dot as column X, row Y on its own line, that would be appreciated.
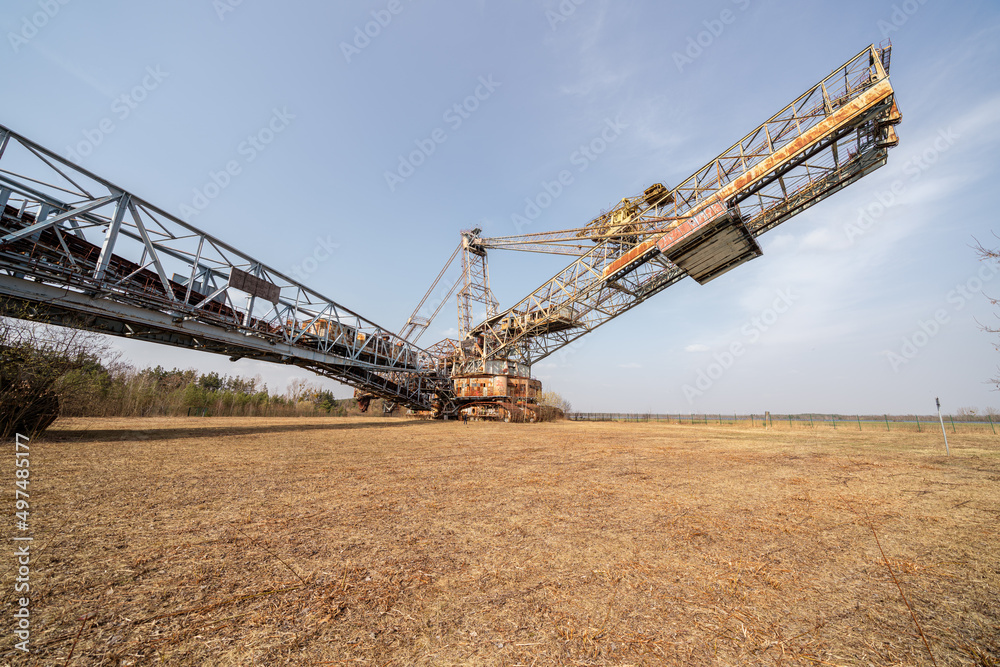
column 844, row 313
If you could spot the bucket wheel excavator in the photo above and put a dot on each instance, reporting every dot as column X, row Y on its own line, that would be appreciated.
column 77, row 250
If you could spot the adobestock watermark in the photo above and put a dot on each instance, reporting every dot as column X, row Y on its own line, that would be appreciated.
column 32, row 24
column 363, row 35
column 248, row 150
column 223, row 7
column 581, row 158
column 752, row 332
column 928, row 329
column 913, row 170
column 323, row 251
column 901, row 13
column 565, row 9
column 121, row 109
column 455, row 116
column 22, row 552
column 704, row 39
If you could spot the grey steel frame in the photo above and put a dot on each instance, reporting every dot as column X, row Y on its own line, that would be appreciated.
column 199, row 292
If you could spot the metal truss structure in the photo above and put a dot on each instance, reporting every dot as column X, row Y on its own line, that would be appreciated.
column 475, row 283
column 77, row 250
column 80, row 251
column 418, row 323
column 832, row 135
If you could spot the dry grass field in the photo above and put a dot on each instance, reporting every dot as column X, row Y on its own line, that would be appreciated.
column 392, row 542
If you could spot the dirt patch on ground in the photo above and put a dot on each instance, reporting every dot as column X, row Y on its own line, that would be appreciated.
column 392, row 542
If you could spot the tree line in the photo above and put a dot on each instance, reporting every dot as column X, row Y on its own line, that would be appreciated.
column 48, row 372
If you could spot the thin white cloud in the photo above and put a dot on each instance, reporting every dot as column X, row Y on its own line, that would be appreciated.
column 658, row 124
column 73, row 69
column 980, row 123
column 596, row 71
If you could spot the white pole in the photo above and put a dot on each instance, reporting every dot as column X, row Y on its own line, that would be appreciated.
column 943, row 432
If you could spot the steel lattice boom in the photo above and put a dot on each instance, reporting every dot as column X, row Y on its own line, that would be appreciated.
column 835, row 133
column 80, row 251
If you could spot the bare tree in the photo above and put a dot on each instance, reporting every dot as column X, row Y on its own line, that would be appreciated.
column 301, row 389
column 991, row 255
column 553, row 400
column 35, row 362
column 967, row 414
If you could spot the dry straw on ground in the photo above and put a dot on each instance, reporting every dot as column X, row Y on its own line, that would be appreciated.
column 391, row 542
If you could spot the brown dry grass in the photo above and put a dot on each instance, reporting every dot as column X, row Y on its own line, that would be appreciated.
column 386, row 542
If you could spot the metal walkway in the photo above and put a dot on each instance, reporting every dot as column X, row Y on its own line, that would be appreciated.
column 79, row 251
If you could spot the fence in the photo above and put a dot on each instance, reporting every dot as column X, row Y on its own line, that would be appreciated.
column 916, row 423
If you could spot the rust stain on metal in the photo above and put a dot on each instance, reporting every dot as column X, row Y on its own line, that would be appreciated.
column 842, row 116
column 834, row 121
column 690, row 225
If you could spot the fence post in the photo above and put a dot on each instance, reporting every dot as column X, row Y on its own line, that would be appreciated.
column 919, row 430
column 770, row 420
column 952, row 418
column 835, row 422
column 810, row 420
column 991, row 424
column 751, row 421
column 859, row 421
column 886, row 422
column 943, row 432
